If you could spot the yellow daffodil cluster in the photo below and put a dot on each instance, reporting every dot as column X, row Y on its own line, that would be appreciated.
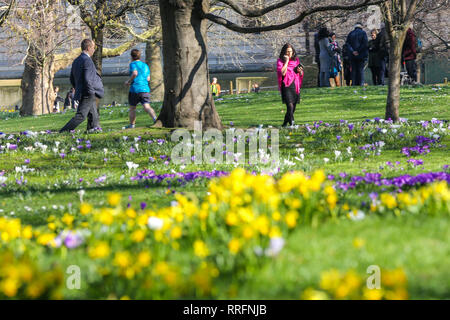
column 11, row 229
column 436, row 195
column 21, row 275
column 182, row 248
column 335, row 284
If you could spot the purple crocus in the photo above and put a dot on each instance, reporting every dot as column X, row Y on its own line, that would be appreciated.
column 100, row 179
column 143, row 205
column 415, row 162
column 73, row 240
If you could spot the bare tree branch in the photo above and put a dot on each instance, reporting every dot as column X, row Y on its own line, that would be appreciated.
column 4, row 14
column 253, row 13
column 235, row 27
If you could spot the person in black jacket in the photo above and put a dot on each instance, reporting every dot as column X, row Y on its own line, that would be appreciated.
column 58, row 99
column 69, row 102
column 383, row 52
column 317, row 56
column 357, row 45
column 88, row 86
column 347, row 66
column 374, row 58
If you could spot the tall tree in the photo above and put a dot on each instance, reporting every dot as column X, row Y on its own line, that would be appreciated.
column 52, row 41
column 153, row 56
column 7, row 8
column 96, row 14
column 41, row 24
column 398, row 16
column 187, row 95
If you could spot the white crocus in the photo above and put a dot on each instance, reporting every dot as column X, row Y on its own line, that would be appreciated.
column 349, row 150
column 355, row 216
column 275, row 246
column 131, row 165
column 155, row 223
column 337, row 154
column 81, row 194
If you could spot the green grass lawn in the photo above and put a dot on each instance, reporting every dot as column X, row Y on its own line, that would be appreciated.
column 418, row 243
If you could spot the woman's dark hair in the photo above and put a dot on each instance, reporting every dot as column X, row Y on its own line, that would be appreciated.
column 332, row 34
column 284, row 49
column 323, row 33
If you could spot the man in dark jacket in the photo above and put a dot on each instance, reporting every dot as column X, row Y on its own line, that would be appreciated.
column 357, row 45
column 317, row 56
column 374, row 57
column 88, row 86
column 409, row 54
column 383, row 52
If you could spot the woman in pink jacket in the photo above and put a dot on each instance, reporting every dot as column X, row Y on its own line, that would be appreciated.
column 290, row 78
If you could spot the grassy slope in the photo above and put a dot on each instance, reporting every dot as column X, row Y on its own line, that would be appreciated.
column 419, row 245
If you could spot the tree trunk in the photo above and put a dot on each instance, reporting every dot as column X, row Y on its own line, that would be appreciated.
column 97, row 57
column 419, row 63
column 395, row 64
column 153, row 57
column 187, row 96
column 38, row 95
column 307, row 40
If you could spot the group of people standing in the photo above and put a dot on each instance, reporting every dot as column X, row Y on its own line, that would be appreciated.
column 328, row 57
column 358, row 51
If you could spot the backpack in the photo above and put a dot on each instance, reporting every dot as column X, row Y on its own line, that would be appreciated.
column 418, row 45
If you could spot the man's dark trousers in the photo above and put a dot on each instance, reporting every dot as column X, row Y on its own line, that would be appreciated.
column 318, row 73
column 382, row 70
column 86, row 108
column 411, row 68
column 357, row 72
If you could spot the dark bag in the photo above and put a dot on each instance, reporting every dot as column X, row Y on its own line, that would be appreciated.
column 299, row 65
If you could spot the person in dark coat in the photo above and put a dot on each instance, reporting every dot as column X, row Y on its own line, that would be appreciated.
column 374, row 58
column 357, row 45
column 317, row 56
column 69, row 102
column 88, row 86
column 326, row 56
column 383, row 52
column 336, row 61
column 347, row 66
column 409, row 54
